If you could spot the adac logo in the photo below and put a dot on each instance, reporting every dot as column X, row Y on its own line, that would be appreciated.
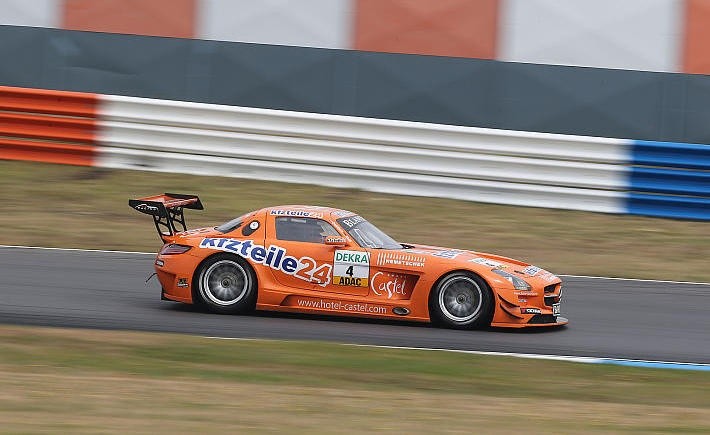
column 346, row 280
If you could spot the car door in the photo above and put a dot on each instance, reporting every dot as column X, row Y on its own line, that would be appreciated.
column 351, row 270
column 297, row 254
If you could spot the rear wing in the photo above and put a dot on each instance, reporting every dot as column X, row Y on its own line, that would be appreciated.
column 167, row 210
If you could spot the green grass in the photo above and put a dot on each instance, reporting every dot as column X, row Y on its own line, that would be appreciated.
column 334, row 365
column 65, row 206
column 312, row 379
column 74, row 381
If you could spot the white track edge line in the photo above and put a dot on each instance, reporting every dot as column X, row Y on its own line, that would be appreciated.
column 635, row 279
column 154, row 253
column 548, row 357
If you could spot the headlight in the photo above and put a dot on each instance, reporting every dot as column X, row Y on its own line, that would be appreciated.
column 518, row 283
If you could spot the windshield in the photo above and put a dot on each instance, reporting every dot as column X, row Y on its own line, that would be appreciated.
column 366, row 234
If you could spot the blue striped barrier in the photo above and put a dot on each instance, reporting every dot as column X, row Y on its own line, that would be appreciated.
column 671, row 154
column 678, row 207
column 669, row 179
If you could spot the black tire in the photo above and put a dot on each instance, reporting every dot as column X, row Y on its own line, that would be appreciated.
column 461, row 300
column 225, row 284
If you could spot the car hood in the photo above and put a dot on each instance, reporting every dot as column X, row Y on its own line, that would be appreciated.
column 484, row 262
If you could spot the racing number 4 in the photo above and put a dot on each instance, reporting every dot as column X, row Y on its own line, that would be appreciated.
column 308, row 271
column 349, row 271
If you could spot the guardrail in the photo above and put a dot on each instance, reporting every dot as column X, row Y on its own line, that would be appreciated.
column 47, row 126
column 506, row 167
column 670, row 180
column 530, row 169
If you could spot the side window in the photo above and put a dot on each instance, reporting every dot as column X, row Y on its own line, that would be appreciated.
column 303, row 229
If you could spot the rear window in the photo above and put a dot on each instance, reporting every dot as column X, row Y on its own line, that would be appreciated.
column 232, row 225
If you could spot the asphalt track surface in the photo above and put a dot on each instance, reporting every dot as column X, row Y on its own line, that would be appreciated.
column 627, row 319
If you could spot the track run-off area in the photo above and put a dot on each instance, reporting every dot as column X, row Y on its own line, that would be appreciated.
column 612, row 320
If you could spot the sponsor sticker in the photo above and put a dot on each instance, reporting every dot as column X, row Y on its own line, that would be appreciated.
column 335, row 240
column 487, row 262
column 296, row 213
column 352, row 221
column 146, row 207
column 530, row 311
column 196, row 231
column 390, row 285
column 451, row 253
column 182, row 282
column 159, row 263
column 351, row 268
column 342, row 213
column 400, row 260
column 547, row 276
column 531, row 270
column 275, row 257
column 336, row 305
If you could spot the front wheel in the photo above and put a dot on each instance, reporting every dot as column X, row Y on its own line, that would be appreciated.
column 226, row 284
column 461, row 300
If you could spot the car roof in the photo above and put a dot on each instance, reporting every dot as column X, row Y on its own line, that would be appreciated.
column 307, row 211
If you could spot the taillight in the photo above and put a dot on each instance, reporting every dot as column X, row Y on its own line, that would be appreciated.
column 174, row 248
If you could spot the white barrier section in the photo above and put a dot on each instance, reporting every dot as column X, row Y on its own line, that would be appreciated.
column 410, row 158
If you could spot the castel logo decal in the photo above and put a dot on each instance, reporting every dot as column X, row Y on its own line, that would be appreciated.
column 275, row 257
column 391, row 285
column 351, row 268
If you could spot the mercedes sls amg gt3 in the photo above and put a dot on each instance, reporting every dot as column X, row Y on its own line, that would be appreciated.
column 311, row 259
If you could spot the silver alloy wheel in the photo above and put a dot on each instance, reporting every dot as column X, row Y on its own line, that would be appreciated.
column 224, row 283
column 460, row 298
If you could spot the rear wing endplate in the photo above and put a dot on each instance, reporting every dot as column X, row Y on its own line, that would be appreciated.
column 167, row 210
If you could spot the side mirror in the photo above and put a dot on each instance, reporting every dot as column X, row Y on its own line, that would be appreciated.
column 335, row 241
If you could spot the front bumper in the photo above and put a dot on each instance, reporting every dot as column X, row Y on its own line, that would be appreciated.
column 539, row 306
column 546, row 320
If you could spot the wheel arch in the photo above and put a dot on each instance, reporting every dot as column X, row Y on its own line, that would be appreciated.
column 443, row 276
column 196, row 299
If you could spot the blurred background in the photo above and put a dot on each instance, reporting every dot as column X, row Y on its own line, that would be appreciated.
column 572, row 134
column 621, row 87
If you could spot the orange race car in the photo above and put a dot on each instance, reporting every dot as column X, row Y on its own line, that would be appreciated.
column 323, row 260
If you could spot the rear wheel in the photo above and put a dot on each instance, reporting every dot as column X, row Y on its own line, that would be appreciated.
column 226, row 284
column 461, row 300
